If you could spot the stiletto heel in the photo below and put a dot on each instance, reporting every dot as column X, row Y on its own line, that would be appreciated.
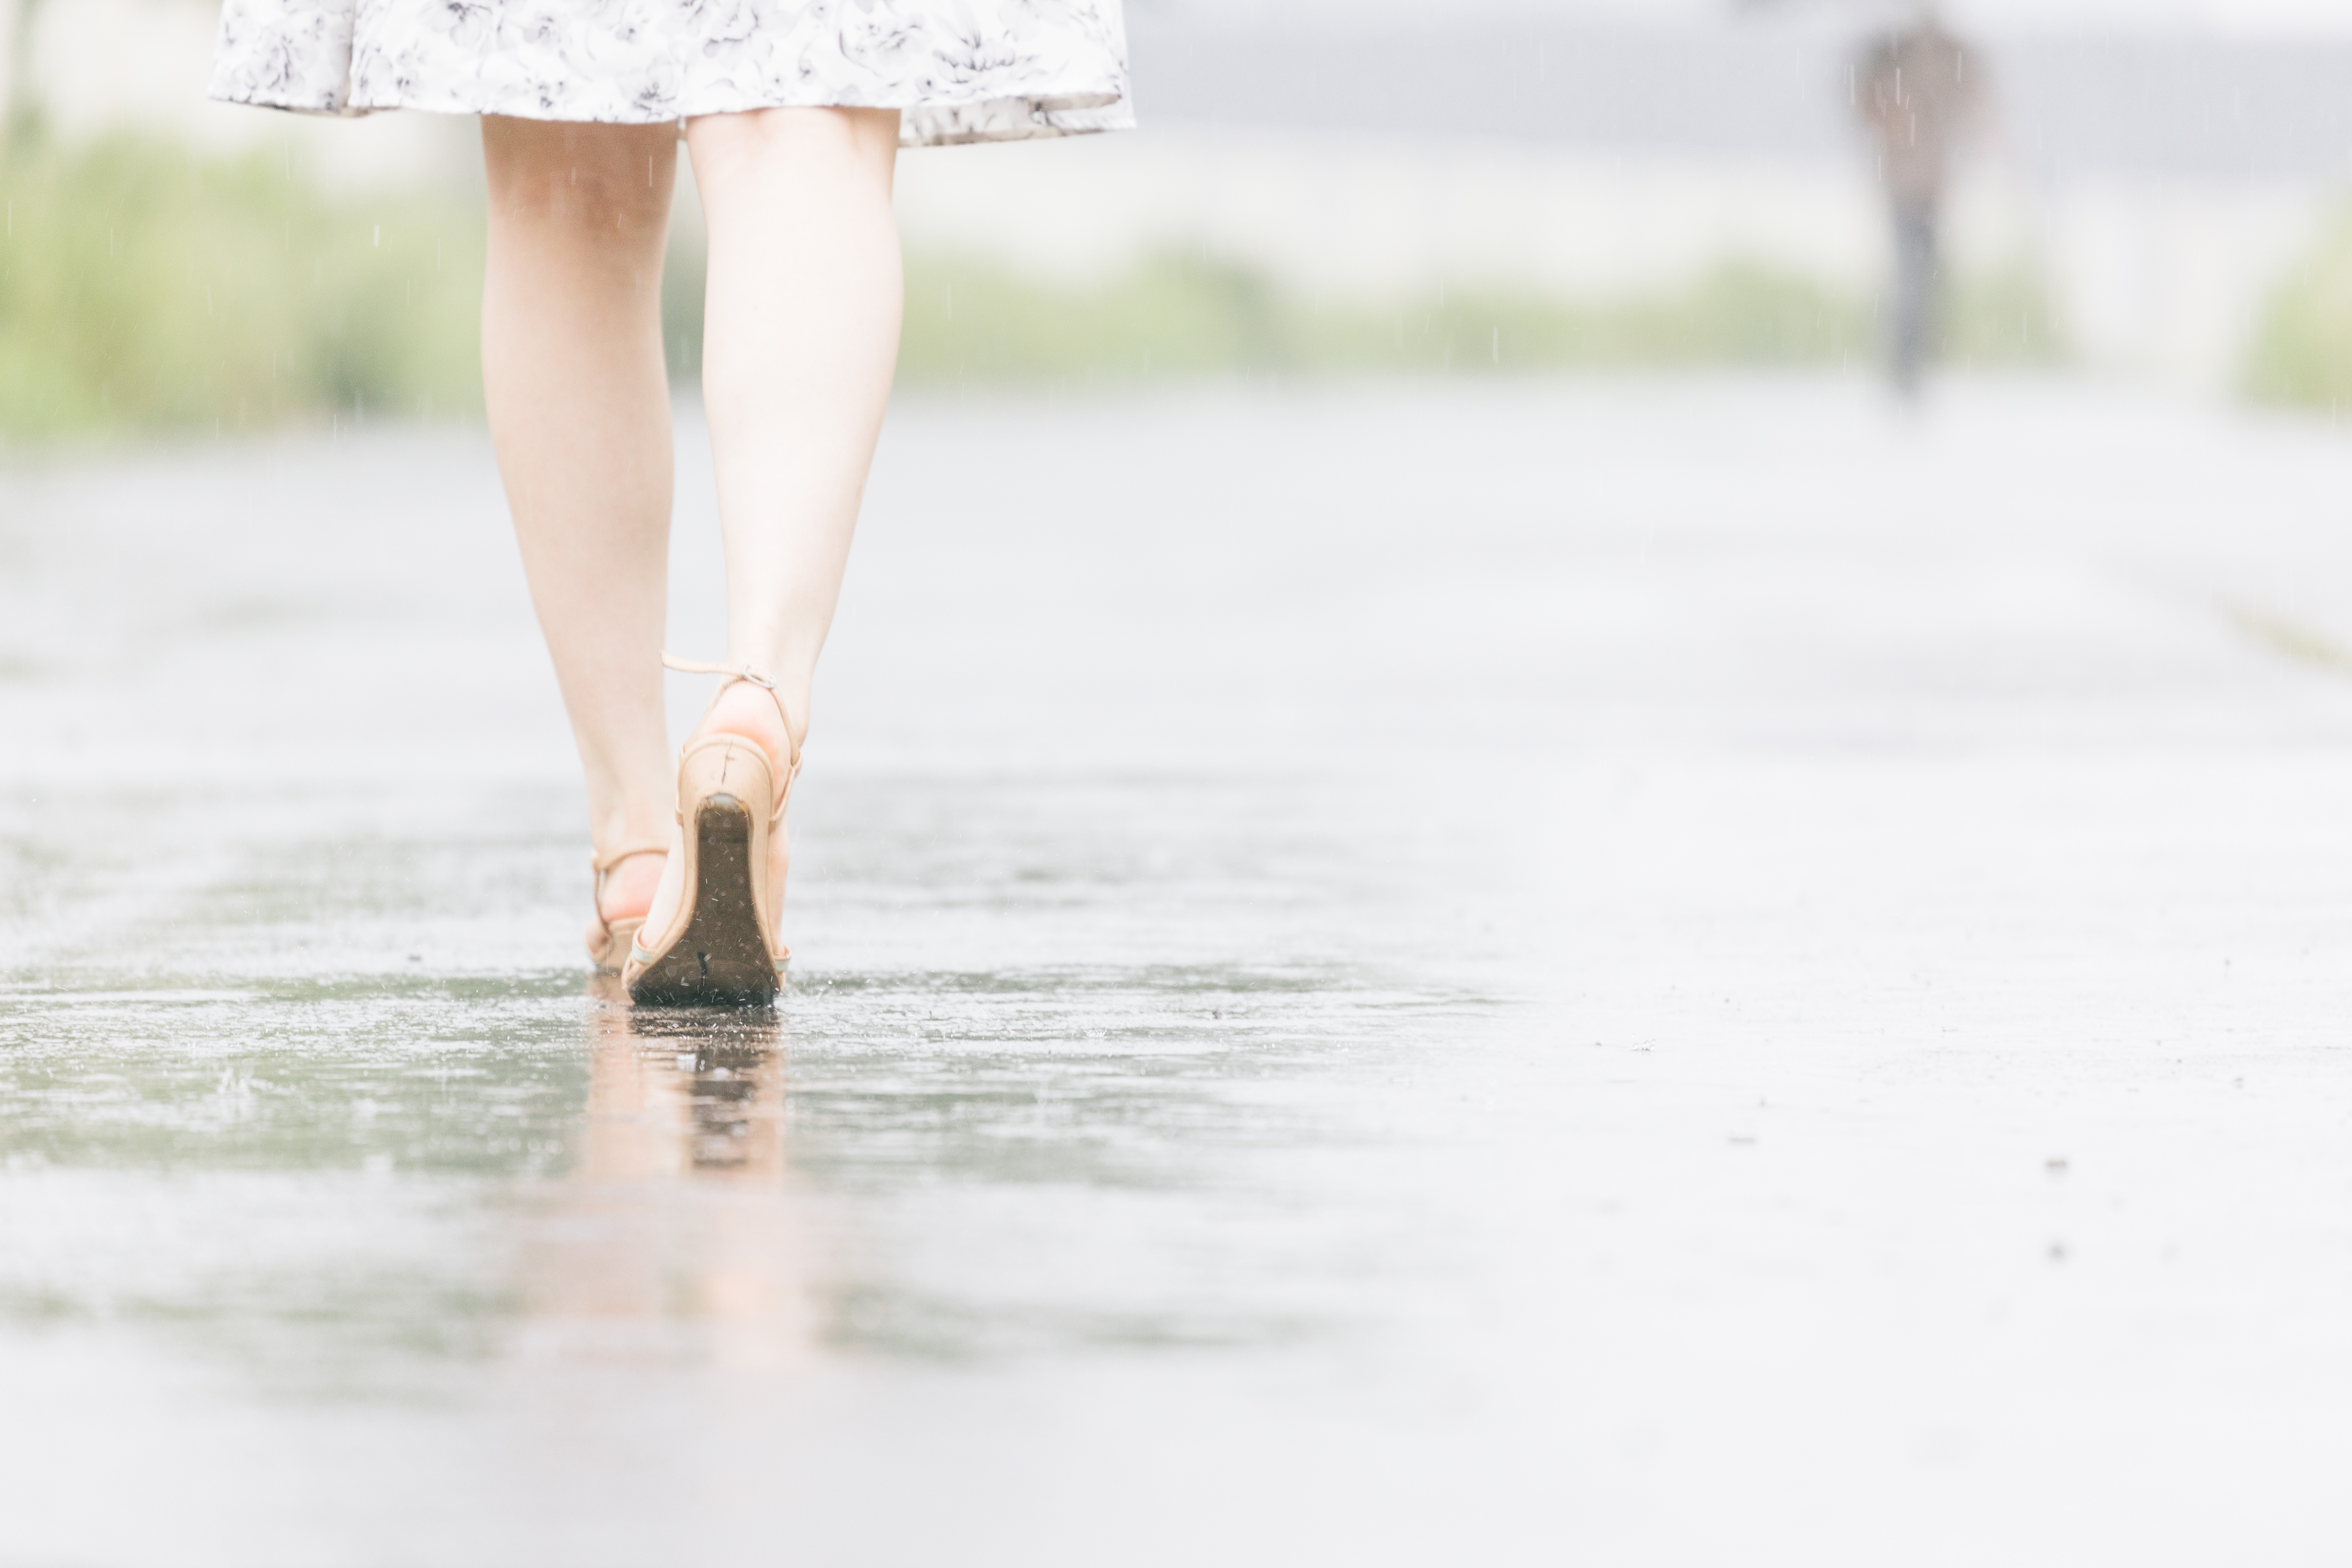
column 719, row 947
column 610, row 940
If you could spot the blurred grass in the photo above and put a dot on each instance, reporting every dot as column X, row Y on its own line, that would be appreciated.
column 143, row 288
column 2300, row 351
column 2002, row 317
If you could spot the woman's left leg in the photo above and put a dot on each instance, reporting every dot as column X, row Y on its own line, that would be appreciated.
column 579, row 409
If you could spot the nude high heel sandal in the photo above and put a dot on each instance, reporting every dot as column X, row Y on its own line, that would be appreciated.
column 609, row 941
column 720, row 947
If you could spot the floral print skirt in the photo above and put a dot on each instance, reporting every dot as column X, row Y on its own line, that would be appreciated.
column 959, row 71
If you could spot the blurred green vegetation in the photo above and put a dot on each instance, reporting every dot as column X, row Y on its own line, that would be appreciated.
column 145, row 287
column 966, row 320
column 2003, row 317
column 2301, row 352
column 141, row 287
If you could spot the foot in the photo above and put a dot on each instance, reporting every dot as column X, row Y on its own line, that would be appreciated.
column 747, row 710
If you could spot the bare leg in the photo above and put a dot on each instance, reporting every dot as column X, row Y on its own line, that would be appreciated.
column 802, row 336
column 579, row 406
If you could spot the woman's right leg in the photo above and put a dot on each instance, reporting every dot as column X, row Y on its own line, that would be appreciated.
column 804, row 302
column 578, row 397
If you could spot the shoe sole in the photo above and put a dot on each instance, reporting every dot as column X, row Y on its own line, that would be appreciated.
column 722, row 961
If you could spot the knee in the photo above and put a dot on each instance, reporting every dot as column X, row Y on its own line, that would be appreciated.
column 610, row 181
column 863, row 137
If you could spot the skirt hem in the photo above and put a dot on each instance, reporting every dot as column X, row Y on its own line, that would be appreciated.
column 1029, row 117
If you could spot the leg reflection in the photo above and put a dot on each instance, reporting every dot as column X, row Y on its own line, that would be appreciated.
column 675, row 1236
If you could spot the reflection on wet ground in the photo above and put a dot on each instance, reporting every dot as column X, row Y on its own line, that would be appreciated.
column 1379, row 976
column 674, row 1221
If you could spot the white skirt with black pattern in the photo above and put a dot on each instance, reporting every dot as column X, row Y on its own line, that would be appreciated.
column 957, row 70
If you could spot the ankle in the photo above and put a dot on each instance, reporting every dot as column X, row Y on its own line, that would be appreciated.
column 749, row 710
column 637, row 832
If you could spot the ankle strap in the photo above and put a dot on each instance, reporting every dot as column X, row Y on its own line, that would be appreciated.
column 751, row 672
column 757, row 676
column 605, row 861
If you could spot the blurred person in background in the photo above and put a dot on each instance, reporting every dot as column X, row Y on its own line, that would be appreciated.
column 1919, row 91
column 793, row 115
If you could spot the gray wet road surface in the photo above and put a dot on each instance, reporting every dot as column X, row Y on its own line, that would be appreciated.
column 1657, row 971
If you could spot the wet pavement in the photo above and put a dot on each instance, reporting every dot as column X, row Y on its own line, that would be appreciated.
column 1659, row 972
